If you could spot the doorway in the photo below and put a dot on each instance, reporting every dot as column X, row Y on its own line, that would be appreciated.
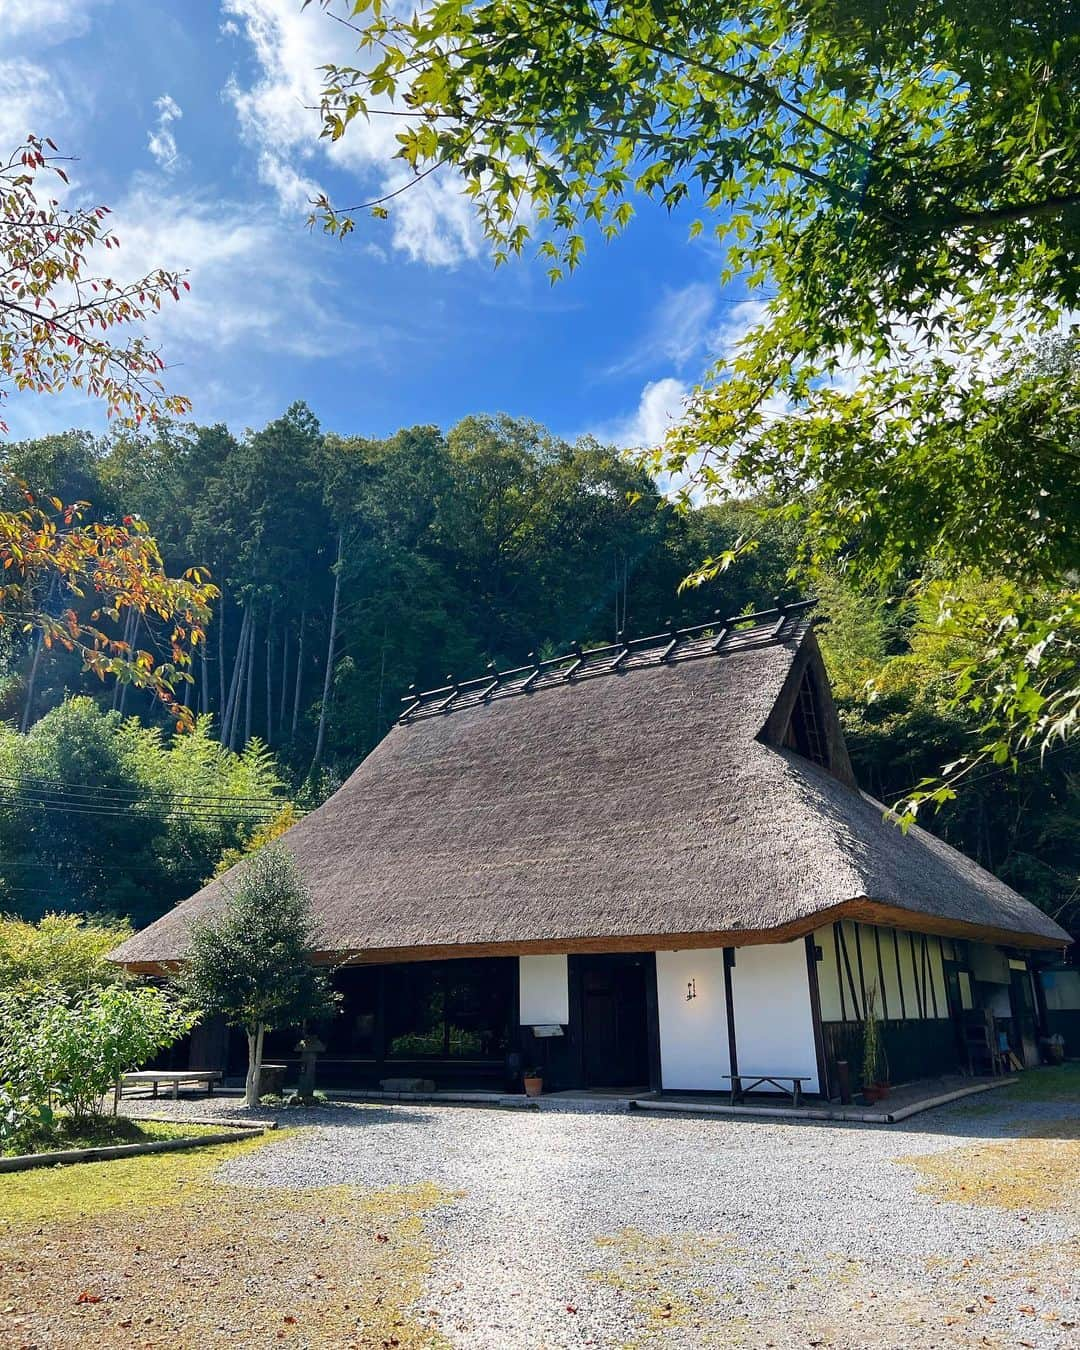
column 614, row 1021
column 1025, row 1017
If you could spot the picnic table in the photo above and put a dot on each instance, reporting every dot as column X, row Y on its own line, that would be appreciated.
column 173, row 1078
column 742, row 1083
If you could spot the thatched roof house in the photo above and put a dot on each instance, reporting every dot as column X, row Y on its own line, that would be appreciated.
column 690, row 793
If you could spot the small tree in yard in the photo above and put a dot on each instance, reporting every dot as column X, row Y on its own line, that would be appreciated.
column 251, row 962
column 62, row 1052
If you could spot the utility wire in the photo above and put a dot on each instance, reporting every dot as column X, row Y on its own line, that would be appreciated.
column 29, row 784
column 201, row 816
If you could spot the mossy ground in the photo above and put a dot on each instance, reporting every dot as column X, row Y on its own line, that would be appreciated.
column 1037, row 1170
column 155, row 1251
column 107, row 1130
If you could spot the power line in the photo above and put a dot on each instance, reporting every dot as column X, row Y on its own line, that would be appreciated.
column 198, row 814
column 30, row 783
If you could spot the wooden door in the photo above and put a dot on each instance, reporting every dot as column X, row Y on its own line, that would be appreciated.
column 614, row 1035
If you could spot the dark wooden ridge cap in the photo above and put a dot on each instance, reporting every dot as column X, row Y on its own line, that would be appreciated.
column 861, row 909
column 717, row 637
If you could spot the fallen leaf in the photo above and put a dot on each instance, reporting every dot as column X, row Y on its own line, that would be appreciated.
column 87, row 1297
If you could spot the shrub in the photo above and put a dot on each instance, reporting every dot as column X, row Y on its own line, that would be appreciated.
column 64, row 1052
column 62, row 951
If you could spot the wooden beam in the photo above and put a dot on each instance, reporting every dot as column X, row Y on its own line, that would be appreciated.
column 729, row 1003
column 815, row 1015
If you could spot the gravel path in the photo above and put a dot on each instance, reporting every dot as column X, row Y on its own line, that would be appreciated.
column 579, row 1229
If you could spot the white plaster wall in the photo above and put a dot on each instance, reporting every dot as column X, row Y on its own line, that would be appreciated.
column 774, row 1030
column 544, row 991
column 693, row 1032
column 1062, row 989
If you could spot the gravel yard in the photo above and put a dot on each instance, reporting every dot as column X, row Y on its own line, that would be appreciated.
column 568, row 1228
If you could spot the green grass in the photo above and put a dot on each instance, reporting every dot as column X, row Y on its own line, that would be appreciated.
column 105, row 1131
column 1057, row 1082
column 142, row 1182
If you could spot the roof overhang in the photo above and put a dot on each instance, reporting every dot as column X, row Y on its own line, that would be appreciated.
column 862, row 909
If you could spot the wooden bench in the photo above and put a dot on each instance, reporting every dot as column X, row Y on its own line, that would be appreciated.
column 742, row 1083
column 173, row 1078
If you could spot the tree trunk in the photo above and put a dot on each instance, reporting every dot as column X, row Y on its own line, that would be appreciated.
column 284, row 678
column 328, row 676
column 132, row 637
column 250, row 682
column 382, row 685
column 129, row 620
column 254, row 1070
column 221, row 660
column 32, row 681
column 204, row 687
column 299, row 673
column 228, row 715
column 270, row 677
column 25, row 723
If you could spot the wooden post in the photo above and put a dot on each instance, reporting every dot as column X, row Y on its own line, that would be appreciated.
column 652, row 1025
column 815, row 1016
column 729, row 1003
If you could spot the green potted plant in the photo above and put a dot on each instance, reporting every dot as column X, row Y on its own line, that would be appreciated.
column 875, row 1073
column 534, row 1082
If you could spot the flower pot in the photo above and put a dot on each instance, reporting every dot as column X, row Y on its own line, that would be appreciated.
column 883, row 1090
column 871, row 1092
column 533, row 1085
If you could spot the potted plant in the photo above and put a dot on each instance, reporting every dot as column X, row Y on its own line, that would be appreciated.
column 875, row 1074
column 534, row 1082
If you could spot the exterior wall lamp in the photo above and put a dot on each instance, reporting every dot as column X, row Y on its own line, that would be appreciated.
column 691, row 990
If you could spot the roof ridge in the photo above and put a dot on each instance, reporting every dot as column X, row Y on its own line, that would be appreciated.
column 716, row 637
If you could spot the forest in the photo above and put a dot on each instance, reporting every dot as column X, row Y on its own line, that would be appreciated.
column 349, row 568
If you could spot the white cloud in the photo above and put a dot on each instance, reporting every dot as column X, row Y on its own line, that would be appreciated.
column 659, row 408
column 29, row 102
column 688, row 326
column 726, row 338
column 677, row 330
column 46, row 21
column 253, row 282
column 162, row 140
column 258, row 287
column 279, row 117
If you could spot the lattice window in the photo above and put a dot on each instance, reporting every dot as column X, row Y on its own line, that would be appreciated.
column 806, row 732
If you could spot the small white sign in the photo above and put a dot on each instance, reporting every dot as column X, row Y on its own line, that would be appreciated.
column 548, row 1030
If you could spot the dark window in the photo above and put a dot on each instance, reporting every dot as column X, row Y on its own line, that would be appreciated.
column 806, row 732
column 351, row 1034
column 449, row 1010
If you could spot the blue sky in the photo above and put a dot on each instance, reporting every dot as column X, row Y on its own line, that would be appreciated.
column 188, row 118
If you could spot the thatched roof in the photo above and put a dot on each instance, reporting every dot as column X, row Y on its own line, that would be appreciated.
column 655, row 805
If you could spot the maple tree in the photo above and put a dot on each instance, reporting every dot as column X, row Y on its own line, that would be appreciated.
column 52, row 560
column 897, row 185
column 58, row 329
column 58, row 322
